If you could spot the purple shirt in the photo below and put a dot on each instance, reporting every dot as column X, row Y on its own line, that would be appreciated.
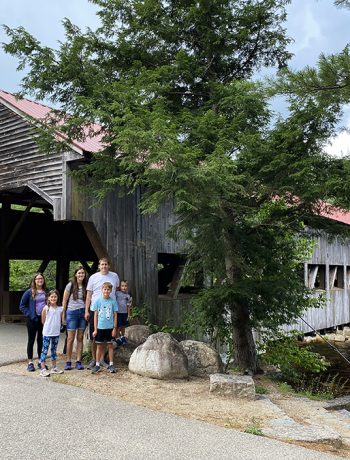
column 40, row 302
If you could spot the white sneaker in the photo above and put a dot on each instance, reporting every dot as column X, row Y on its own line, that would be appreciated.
column 44, row 373
column 54, row 370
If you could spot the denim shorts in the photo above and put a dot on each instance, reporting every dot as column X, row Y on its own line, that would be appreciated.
column 76, row 319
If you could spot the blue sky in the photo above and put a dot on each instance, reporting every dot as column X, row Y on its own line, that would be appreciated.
column 315, row 25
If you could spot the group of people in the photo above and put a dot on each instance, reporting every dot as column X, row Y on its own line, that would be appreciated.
column 101, row 302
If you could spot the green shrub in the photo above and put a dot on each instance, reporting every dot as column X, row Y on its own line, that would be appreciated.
column 297, row 363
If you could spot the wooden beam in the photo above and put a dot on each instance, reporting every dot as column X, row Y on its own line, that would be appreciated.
column 175, row 284
column 40, row 192
column 95, row 239
column 43, row 265
column 18, row 225
column 87, row 267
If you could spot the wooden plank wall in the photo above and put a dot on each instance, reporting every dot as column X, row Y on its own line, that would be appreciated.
column 132, row 240
column 329, row 251
column 20, row 160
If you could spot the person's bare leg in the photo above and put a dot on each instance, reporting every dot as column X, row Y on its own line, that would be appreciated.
column 80, row 338
column 70, row 341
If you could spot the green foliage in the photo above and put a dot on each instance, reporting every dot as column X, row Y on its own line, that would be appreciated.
column 254, row 427
column 316, row 387
column 261, row 390
column 143, row 315
column 22, row 271
column 296, row 363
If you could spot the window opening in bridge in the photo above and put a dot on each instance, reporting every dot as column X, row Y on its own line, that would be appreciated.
column 173, row 278
column 316, row 276
column 336, row 277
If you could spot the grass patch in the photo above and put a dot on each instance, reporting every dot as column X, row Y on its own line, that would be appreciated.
column 254, row 427
column 261, row 390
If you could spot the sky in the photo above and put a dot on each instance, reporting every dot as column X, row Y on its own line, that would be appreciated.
column 316, row 26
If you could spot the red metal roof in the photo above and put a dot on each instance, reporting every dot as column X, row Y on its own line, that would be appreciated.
column 39, row 111
column 337, row 214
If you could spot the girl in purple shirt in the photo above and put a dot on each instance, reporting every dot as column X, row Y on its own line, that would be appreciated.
column 31, row 305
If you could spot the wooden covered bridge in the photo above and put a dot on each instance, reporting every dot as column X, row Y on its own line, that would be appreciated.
column 69, row 229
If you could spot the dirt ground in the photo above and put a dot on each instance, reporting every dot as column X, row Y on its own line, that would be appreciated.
column 191, row 398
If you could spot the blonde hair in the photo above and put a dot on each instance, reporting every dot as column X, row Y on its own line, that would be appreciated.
column 108, row 285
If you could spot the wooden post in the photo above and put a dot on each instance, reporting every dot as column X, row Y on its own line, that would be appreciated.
column 4, row 259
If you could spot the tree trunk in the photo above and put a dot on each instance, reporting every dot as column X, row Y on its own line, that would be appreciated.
column 244, row 349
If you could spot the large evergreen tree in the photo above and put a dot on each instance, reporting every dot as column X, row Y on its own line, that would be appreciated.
column 170, row 82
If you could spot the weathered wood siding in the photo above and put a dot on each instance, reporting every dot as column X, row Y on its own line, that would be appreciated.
column 329, row 252
column 20, row 160
column 132, row 240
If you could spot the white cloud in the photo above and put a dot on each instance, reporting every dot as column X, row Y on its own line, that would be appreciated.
column 309, row 29
column 339, row 145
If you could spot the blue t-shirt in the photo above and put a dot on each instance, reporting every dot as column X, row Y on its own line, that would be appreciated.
column 105, row 309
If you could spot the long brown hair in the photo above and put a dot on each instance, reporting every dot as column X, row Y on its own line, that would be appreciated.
column 33, row 284
column 53, row 291
column 75, row 287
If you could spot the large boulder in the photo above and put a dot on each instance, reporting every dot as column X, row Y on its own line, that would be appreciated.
column 137, row 334
column 203, row 360
column 160, row 357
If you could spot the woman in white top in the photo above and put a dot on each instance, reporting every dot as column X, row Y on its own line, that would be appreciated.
column 74, row 314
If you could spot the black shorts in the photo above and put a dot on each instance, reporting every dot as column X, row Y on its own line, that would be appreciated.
column 104, row 336
column 122, row 319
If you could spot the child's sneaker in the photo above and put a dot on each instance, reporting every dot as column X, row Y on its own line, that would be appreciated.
column 39, row 366
column 30, row 367
column 54, row 370
column 79, row 366
column 104, row 364
column 112, row 369
column 68, row 366
column 91, row 364
column 96, row 370
column 44, row 373
column 123, row 340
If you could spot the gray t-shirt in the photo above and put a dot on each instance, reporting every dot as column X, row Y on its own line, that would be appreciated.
column 74, row 304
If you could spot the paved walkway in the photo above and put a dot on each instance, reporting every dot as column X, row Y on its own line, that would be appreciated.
column 43, row 419
column 13, row 343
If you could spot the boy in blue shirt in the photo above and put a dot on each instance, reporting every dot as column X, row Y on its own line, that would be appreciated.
column 105, row 326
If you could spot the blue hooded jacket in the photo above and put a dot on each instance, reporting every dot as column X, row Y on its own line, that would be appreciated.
column 27, row 305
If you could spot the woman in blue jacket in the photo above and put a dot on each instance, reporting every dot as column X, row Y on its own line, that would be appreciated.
column 32, row 303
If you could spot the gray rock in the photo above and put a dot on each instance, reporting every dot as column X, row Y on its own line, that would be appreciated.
column 287, row 429
column 202, row 358
column 137, row 334
column 234, row 386
column 160, row 357
column 338, row 403
column 340, row 338
column 123, row 353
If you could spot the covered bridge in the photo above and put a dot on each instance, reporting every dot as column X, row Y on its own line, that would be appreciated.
column 68, row 228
